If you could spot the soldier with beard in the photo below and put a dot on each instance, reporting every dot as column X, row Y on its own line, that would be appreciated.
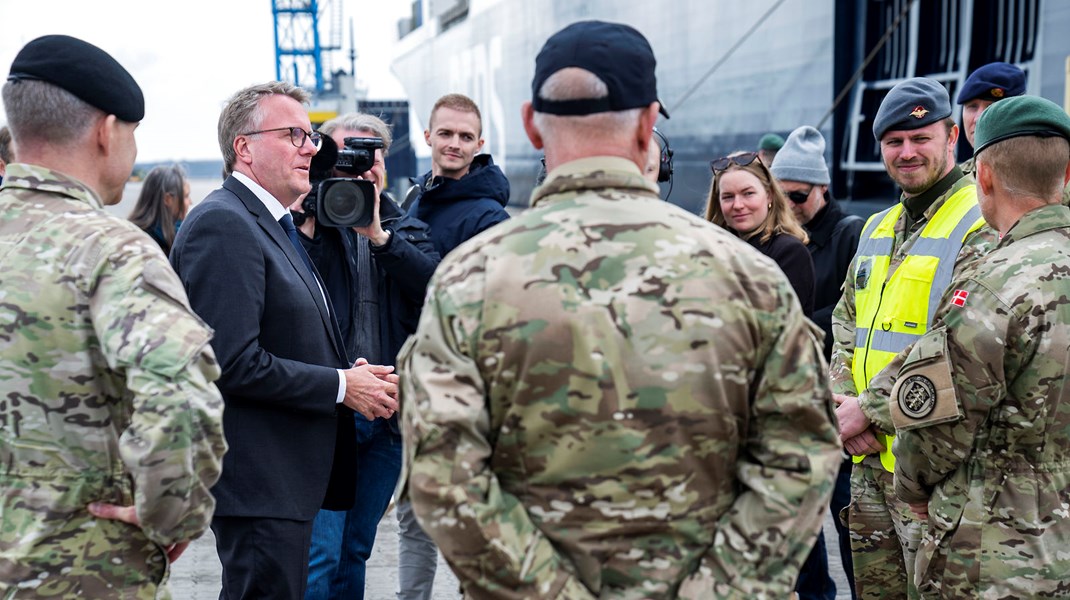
column 906, row 258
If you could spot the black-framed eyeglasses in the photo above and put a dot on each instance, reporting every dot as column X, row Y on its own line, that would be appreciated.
column 800, row 197
column 743, row 159
column 297, row 135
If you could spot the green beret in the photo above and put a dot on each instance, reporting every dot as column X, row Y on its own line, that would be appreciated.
column 84, row 70
column 771, row 141
column 1020, row 116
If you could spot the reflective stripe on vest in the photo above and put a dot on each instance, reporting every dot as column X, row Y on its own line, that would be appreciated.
column 891, row 313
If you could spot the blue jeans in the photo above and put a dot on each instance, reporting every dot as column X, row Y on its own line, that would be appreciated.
column 342, row 540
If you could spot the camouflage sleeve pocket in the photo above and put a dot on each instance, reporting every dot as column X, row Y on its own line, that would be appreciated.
column 160, row 280
column 184, row 335
column 924, row 394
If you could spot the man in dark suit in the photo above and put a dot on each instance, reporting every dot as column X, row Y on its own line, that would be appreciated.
column 288, row 389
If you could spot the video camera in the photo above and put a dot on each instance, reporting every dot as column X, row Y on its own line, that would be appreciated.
column 341, row 201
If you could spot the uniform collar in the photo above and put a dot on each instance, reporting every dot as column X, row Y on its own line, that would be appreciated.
column 34, row 177
column 1038, row 220
column 595, row 172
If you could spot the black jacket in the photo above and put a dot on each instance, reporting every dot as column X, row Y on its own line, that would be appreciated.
column 406, row 263
column 378, row 291
column 386, row 283
column 833, row 240
column 791, row 256
column 457, row 209
column 291, row 447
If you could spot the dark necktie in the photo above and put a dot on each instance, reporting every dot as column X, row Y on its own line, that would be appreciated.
column 287, row 223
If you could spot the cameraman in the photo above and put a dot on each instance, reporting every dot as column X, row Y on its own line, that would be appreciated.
column 376, row 277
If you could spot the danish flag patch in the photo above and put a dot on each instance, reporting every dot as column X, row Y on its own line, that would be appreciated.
column 959, row 298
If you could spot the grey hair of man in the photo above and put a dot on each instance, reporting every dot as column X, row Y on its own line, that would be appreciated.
column 356, row 121
column 242, row 113
column 574, row 83
column 39, row 112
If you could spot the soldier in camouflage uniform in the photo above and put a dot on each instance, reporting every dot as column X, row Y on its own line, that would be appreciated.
column 981, row 407
column 607, row 396
column 983, row 88
column 905, row 260
column 110, row 425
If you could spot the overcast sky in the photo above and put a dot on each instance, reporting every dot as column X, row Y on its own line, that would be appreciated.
column 189, row 56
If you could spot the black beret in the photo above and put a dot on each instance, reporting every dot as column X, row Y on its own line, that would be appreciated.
column 618, row 54
column 994, row 81
column 1020, row 116
column 84, row 70
column 912, row 104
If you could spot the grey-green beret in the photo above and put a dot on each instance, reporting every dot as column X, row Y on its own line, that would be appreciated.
column 1020, row 116
column 912, row 104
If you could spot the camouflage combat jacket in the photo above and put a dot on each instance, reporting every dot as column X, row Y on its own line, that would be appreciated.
column 982, row 412
column 106, row 395
column 610, row 397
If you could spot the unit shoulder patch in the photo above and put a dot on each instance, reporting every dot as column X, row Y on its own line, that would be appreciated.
column 917, row 397
column 924, row 394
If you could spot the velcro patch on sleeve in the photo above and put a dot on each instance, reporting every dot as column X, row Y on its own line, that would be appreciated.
column 923, row 394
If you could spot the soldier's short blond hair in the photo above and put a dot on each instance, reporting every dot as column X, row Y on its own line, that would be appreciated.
column 1029, row 166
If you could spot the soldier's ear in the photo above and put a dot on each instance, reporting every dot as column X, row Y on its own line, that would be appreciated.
column 105, row 133
column 527, row 113
column 983, row 175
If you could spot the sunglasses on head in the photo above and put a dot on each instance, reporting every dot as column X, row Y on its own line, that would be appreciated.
column 743, row 159
column 799, row 197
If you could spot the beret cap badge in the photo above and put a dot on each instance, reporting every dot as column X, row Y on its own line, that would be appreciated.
column 919, row 112
column 996, row 92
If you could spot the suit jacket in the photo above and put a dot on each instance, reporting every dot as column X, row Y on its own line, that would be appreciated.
column 279, row 349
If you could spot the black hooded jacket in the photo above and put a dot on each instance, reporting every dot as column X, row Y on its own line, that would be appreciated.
column 833, row 240
column 457, row 209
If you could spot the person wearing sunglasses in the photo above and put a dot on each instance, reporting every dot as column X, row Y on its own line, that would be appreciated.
column 801, row 172
column 745, row 200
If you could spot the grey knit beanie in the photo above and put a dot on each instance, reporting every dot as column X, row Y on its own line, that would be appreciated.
column 802, row 158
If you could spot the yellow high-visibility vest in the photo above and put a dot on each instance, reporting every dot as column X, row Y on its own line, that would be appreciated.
column 891, row 313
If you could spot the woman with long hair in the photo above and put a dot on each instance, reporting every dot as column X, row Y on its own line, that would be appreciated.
column 745, row 200
column 162, row 204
